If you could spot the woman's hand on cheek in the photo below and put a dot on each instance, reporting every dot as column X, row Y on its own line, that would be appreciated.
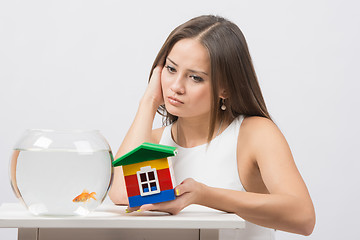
column 188, row 192
column 154, row 90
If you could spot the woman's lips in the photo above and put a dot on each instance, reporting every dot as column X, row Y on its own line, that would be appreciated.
column 175, row 101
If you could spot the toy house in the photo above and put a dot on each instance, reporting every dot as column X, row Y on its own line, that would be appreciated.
column 148, row 174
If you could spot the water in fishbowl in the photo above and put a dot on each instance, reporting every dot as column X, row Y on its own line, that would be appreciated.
column 61, row 182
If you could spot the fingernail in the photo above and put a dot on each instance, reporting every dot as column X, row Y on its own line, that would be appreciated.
column 127, row 210
column 177, row 192
column 139, row 210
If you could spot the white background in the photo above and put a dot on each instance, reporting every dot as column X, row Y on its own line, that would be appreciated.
column 84, row 64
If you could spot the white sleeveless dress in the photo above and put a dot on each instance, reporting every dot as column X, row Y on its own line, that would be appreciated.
column 215, row 165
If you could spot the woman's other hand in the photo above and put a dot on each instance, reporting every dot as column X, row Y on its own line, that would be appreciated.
column 153, row 92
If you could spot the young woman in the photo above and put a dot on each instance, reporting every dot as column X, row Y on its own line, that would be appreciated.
column 231, row 156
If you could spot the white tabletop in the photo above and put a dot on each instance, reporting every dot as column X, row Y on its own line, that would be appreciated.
column 14, row 215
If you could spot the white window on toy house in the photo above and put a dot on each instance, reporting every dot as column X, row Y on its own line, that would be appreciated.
column 148, row 181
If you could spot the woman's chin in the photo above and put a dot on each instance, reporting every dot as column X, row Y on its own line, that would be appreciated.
column 172, row 111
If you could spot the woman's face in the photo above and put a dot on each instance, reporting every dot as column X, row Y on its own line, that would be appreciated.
column 185, row 80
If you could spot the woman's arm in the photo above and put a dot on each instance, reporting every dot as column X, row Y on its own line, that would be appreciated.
column 288, row 205
column 139, row 132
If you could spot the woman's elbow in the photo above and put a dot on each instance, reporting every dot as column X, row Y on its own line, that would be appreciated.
column 308, row 223
column 117, row 198
column 309, row 228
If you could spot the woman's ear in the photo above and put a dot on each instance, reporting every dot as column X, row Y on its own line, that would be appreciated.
column 223, row 94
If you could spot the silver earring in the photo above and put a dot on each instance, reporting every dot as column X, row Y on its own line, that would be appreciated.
column 223, row 107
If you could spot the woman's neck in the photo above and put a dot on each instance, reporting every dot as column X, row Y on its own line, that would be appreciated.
column 190, row 133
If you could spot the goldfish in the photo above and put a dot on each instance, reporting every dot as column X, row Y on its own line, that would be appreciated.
column 85, row 196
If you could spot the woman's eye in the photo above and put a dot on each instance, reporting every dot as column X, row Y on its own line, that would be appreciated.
column 197, row 78
column 170, row 69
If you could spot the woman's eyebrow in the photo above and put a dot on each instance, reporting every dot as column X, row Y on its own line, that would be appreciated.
column 190, row 70
column 171, row 61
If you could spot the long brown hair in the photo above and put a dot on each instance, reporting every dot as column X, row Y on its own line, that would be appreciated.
column 231, row 68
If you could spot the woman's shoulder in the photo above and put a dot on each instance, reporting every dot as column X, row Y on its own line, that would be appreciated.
column 156, row 134
column 258, row 129
column 256, row 122
column 260, row 140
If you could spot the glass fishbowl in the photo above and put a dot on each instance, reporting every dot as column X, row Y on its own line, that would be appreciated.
column 61, row 173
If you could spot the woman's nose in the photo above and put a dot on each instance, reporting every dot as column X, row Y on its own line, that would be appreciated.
column 178, row 85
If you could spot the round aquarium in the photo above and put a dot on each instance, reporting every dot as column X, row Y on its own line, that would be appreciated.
column 61, row 172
